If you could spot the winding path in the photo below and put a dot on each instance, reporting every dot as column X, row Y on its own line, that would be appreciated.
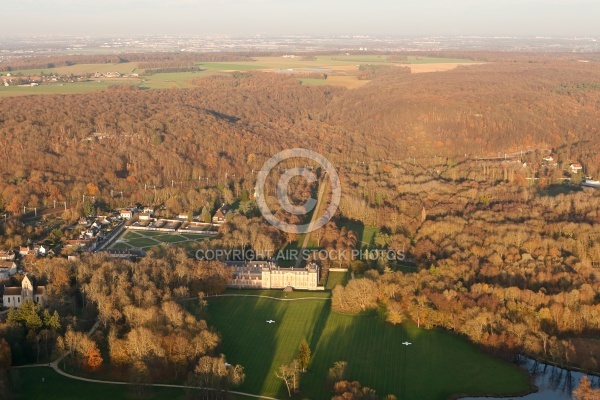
column 54, row 366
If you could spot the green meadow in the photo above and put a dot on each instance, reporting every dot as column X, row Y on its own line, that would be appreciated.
column 436, row 365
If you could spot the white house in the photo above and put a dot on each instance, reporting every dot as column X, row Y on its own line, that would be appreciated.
column 15, row 296
column 7, row 255
column 127, row 213
column 144, row 216
column 148, row 210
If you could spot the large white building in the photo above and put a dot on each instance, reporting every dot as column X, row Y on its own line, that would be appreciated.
column 15, row 296
column 266, row 275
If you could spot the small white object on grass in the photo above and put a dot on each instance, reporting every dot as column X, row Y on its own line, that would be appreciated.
column 270, row 321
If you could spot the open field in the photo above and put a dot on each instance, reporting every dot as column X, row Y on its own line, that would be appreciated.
column 436, row 67
column 341, row 71
column 349, row 81
column 144, row 240
column 67, row 88
column 58, row 387
column 437, row 365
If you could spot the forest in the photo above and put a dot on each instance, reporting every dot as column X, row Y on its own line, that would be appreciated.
column 505, row 251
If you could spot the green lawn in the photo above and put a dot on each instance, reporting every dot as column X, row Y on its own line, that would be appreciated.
column 437, row 365
column 58, row 387
column 337, row 278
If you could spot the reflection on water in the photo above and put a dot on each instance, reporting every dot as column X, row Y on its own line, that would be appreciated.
column 554, row 383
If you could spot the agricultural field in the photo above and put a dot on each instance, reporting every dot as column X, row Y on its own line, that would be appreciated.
column 144, row 240
column 341, row 71
column 372, row 348
column 66, row 88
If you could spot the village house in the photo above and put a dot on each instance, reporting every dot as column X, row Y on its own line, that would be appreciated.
column 127, row 213
column 144, row 216
column 548, row 159
column 83, row 221
column 7, row 255
column 41, row 251
column 16, row 296
column 7, row 269
column 148, row 210
column 576, row 167
column 25, row 251
column 221, row 215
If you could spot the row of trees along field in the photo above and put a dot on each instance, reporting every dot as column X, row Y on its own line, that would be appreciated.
column 151, row 327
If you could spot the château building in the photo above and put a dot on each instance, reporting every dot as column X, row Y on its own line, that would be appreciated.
column 267, row 275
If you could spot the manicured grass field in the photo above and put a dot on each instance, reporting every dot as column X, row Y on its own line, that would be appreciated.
column 58, row 387
column 435, row 366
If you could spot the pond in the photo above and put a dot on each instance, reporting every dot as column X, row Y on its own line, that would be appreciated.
column 554, row 383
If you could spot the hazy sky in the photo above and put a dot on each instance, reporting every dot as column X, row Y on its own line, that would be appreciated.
column 311, row 17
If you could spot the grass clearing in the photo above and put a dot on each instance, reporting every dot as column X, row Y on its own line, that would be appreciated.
column 58, row 387
column 337, row 278
column 437, row 365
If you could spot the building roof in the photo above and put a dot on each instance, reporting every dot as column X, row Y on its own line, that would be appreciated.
column 7, row 264
column 39, row 290
column 12, row 291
